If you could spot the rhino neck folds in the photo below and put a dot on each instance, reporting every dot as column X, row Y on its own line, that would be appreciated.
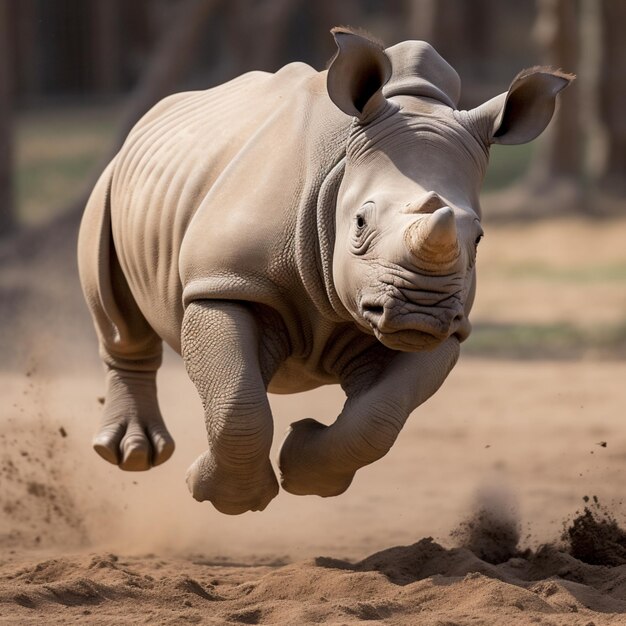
column 315, row 241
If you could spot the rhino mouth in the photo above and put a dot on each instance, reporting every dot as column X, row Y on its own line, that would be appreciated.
column 406, row 326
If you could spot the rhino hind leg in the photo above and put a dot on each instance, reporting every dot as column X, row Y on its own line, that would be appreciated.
column 132, row 433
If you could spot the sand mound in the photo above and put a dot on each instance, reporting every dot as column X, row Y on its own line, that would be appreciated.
column 419, row 584
column 424, row 583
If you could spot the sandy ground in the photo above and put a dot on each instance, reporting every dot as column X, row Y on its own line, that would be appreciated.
column 524, row 440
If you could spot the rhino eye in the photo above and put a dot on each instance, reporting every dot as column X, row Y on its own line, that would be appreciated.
column 362, row 233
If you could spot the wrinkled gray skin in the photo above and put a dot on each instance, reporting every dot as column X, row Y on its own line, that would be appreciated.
column 289, row 230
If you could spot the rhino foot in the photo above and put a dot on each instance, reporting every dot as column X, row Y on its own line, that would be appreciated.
column 305, row 462
column 132, row 434
column 230, row 493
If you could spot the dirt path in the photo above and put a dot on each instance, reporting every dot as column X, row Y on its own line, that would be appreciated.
column 527, row 436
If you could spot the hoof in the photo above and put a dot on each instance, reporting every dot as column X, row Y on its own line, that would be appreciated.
column 229, row 493
column 133, row 446
column 132, row 434
column 304, row 465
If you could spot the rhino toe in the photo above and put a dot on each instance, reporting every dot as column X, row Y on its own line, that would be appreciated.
column 107, row 442
column 135, row 452
column 162, row 444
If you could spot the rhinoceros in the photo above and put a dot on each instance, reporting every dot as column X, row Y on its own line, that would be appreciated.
column 290, row 230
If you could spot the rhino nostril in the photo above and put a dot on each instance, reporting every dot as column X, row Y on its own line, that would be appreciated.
column 374, row 309
column 463, row 327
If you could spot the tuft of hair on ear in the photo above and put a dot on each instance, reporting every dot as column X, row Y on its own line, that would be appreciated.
column 360, row 32
column 545, row 69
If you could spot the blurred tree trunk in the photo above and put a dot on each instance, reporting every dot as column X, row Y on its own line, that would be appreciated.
column 247, row 20
column 27, row 62
column 7, row 216
column 559, row 153
column 424, row 21
column 106, row 46
column 172, row 58
column 460, row 31
column 273, row 21
column 612, row 96
column 453, row 27
column 326, row 14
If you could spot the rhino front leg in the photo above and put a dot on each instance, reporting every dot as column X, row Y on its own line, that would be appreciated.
column 220, row 343
column 321, row 460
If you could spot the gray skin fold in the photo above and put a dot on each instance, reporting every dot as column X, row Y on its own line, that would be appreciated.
column 286, row 231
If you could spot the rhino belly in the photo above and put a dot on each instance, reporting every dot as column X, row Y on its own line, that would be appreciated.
column 296, row 375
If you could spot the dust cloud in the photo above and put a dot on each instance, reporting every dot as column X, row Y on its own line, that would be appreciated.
column 492, row 530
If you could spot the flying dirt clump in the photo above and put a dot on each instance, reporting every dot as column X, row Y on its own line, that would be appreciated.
column 492, row 532
column 595, row 537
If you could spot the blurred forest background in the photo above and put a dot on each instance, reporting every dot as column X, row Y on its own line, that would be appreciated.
column 75, row 75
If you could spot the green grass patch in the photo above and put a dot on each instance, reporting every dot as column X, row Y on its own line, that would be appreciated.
column 45, row 187
column 541, row 341
column 506, row 165
column 56, row 151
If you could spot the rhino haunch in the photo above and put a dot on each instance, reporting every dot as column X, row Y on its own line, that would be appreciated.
column 285, row 231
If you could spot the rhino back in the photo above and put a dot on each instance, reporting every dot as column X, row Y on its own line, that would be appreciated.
column 207, row 188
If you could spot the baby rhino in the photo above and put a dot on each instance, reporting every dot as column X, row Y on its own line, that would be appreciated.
column 290, row 230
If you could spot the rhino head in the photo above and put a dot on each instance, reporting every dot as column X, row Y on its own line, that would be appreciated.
column 408, row 216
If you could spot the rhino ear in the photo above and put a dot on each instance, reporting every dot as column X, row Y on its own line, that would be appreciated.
column 523, row 112
column 357, row 74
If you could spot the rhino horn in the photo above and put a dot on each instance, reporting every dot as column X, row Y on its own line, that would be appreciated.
column 433, row 242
